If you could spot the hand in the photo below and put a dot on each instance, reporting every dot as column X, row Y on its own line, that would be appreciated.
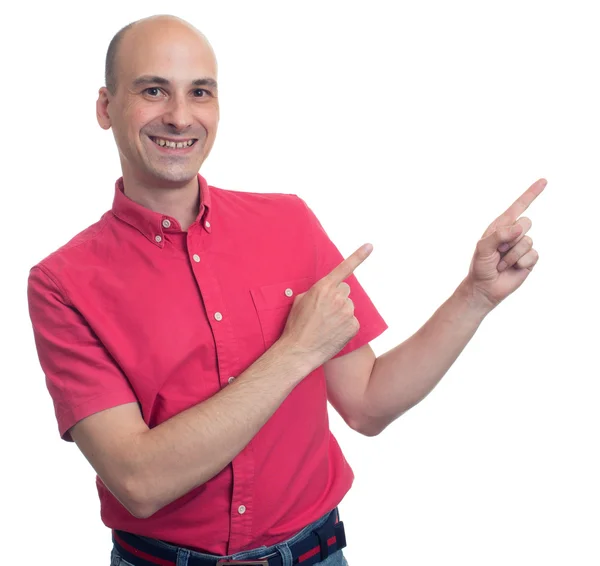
column 504, row 255
column 322, row 320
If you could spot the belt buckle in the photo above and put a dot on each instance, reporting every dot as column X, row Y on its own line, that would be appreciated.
column 243, row 563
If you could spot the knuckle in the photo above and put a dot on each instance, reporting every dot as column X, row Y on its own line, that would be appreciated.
column 511, row 257
column 529, row 259
column 320, row 285
column 321, row 292
column 345, row 287
column 312, row 291
column 525, row 221
column 523, row 264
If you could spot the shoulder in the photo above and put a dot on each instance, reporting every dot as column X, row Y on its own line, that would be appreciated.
column 283, row 206
column 237, row 196
column 77, row 250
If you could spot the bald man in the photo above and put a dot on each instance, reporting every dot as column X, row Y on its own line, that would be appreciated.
column 192, row 337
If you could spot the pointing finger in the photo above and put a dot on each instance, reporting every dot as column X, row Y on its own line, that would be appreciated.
column 522, row 203
column 347, row 267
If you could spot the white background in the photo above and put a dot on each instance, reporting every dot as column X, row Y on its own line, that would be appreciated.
column 411, row 125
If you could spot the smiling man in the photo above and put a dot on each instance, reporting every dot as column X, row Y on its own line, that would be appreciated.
column 161, row 102
column 192, row 337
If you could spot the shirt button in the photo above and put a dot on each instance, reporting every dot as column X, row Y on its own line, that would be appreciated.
column 218, row 316
column 241, row 509
column 166, row 223
column 207, row 224
column 231, row 380
column 196, row 258
column 289, row 292
column 158, row 239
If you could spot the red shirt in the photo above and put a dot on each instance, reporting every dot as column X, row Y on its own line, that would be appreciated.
column 134, row 309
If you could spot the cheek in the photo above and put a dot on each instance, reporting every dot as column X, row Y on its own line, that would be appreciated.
column 209, row 118
column 136, row 123
column 137, row 117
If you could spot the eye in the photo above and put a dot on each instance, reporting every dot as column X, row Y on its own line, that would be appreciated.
column 202, row 93
column 152, row 91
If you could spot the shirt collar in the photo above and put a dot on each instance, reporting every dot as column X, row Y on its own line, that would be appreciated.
column 153, row 224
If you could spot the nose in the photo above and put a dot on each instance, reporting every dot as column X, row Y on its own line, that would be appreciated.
column 178, row 115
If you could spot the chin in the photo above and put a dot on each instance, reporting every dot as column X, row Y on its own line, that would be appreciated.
column 176, row 176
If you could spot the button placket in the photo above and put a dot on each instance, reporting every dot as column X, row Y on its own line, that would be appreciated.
column 225, row 340
column 242, row 499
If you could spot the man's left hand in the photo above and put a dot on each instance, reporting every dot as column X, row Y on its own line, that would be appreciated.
column 504, row 255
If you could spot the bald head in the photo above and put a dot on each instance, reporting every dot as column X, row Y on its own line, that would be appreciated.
column 161, row 86
column 130, row 36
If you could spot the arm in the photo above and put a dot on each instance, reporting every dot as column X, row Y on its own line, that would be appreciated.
column 370, row 393
column 148, row 468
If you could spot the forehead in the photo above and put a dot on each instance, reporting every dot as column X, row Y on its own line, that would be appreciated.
column 173, row 52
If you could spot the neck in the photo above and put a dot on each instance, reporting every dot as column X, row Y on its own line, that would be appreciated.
column 180, row 201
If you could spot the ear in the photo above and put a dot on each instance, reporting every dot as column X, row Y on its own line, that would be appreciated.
column 102, row 114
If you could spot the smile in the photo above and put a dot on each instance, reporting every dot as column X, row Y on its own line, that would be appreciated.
column 172, row 144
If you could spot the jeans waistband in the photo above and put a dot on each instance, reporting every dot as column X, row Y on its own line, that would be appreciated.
column 310, row 546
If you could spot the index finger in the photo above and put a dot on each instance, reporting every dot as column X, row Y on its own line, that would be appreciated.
column 347, row 267
column 518, row 207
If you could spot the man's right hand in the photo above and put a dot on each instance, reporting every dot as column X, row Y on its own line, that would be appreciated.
column 322, row 320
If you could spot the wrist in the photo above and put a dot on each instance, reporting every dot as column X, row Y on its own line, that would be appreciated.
column 476, row 302
column 298, row 363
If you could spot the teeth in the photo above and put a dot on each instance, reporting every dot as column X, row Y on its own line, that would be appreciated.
column 171, row 144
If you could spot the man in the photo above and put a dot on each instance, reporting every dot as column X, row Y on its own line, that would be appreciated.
column 192, row 337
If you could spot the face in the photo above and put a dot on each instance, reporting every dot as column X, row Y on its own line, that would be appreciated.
column 165, row 111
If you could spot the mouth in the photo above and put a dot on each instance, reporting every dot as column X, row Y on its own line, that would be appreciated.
column 173, row 146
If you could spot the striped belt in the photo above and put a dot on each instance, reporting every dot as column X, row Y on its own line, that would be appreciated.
column 314, row 548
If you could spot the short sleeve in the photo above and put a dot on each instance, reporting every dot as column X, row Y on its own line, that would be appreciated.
column 81, row 376
column 327, row 257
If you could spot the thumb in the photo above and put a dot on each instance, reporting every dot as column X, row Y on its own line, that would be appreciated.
column 502, row 235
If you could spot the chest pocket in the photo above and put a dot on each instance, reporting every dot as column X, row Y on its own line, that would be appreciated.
column 273, row 304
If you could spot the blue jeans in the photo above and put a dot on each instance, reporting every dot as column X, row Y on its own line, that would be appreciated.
column 335, row 559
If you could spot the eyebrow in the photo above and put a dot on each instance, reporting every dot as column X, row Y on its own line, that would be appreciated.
column 150, row 79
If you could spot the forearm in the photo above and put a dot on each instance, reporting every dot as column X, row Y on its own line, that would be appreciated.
column 193, row 446
column 403, row 376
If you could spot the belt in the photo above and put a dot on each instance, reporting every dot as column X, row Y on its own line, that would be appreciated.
column 316, row 547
